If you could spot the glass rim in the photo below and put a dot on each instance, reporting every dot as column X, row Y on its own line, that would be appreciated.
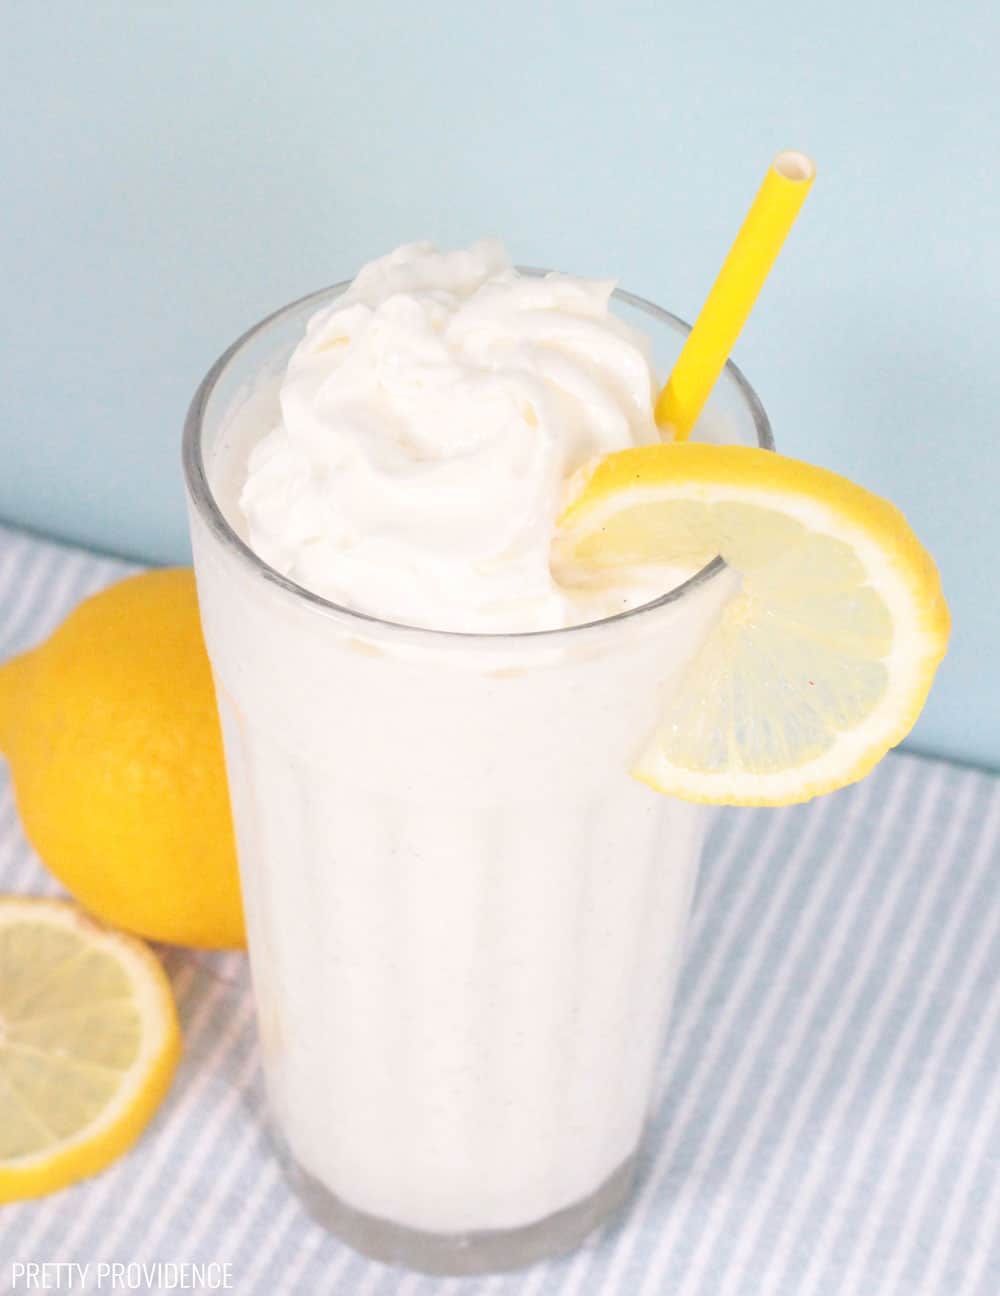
column 203, row 498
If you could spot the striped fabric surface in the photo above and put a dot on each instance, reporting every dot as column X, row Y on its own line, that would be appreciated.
column 827, row 1114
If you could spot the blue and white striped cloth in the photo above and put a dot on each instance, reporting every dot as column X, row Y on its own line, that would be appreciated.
column 827, row 1108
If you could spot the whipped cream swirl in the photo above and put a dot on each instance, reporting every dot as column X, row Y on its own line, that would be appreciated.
column 428, row 422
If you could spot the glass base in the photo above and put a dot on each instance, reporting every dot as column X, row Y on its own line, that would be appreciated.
column 482, row 1251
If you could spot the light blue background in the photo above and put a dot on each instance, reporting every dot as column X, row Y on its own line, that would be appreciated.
column 173, row 171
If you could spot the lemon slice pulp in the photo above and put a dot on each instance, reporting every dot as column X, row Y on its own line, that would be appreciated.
column 824, row 658
column 88, row 1044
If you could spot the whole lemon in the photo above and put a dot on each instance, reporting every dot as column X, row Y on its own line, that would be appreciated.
column 113, row 738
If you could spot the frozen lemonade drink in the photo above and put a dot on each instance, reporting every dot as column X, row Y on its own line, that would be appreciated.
column 467, row 586
column 465, row 917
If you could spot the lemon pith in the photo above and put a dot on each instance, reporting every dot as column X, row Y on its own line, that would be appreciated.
column 824, row 659
column 89, row 1042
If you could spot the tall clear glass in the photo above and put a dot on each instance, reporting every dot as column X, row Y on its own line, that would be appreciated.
column 465, row 918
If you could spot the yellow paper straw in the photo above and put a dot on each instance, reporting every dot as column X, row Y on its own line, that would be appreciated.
column 734, row 292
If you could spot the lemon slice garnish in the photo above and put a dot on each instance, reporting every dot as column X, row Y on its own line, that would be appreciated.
column 88, row 1044
column 823, row 659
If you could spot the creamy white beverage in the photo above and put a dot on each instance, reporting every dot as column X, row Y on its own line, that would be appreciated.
column 465, row 918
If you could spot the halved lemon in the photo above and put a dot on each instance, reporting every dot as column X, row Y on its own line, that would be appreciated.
column 88, row 1044
column 823, row 659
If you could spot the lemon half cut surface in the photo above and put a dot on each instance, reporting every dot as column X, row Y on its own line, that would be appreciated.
column 88, row 1044
column 823, row 659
